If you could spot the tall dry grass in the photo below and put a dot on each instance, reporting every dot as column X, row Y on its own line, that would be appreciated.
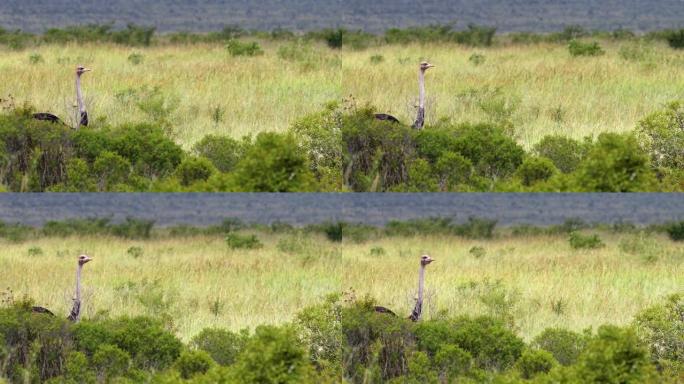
column 535, row 282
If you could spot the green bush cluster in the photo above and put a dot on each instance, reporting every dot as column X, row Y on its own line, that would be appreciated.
column 580, row 48
column 580, row 241
column 338, row 340
column 239, row 48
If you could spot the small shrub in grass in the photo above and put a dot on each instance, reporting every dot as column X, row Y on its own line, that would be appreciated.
column 675, row 39
column 378, row 251
column 676, row 231
column 191, row 363
column 35, row 251
column 136, row 58
column 579, row 48
column 478, row 252
column 133, row 228
column 476, row 228
column 35, row 58
column 477, row 59
column 533, row 362
column 222, row 345
column 334, row 231
column 236, row 241
column 377, row 59
column 135, row 252
column 580, row 241
column 238, row 48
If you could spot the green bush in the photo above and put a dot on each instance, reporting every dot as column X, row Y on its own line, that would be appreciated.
column 238, row 48
column 148, row 149
column 274, row 164
column 492, row 346
column 191, row 363
column 452, row 169
column 579, row 48
column 564, row 345
column 133, row 228
column 534, row 362
column 273, row 355
column 661, row 327
column 493, row 153
column 615, row 355
column 662, row 135
column 535, row 169
column 615, row 163
column 580, row 241
column 194, row 169
column 320, row 326
column 110, row 170
column 236, row 241
column 564, row 152
column 222, row 345
column 224, row 152
column 675, row 39
column 145, row 340
column 676, row 231
column 110, row 361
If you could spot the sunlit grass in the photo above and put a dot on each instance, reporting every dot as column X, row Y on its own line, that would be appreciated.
column 539, row 281
column 540, row 89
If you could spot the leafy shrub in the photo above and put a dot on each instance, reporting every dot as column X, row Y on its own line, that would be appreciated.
column 661, row 327
column 111, row 170
column 452, row 361
column 236, row 241
column 70, row 227
column 676, row 231
column 334, row 231
column 662, row 135
column 491, row 151
column 535, row 169
column 477, row 252
column 320, row 326
column 222, row 345
column 148, row 149
column 334, row 37
column 534, row 362
column 110, row 361
column 564, row 345
column 273, row 164
column 476, row 228
column 136, row 58
column 224, row 152
column 377, row 59
column 615, row 355
column 194, row 169
column 191, row 363
column 148, row 344
column 615, row 163
column 579, row 48
column 135, row 252
column 238, row 48
column 273, row 355
column 452, row 169
column 564, row 152
column 477, row 59
column 35, row 58
column 491, row 344
column 675, row 39
column 35, row 251
column 580, row 241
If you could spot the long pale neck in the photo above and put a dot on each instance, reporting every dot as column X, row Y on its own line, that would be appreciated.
column 78, row 282
column 79, row 95
column 421, row 283
column 421, row 85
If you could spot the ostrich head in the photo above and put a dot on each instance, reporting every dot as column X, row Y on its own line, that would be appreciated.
column 81, row 70
column 424, row 66
column 425, row 260
column 83, row 259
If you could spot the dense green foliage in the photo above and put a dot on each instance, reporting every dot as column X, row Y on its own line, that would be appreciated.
column 338, row 340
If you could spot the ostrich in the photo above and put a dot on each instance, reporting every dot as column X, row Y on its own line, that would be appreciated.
column 83, row 113
column 75, row 313
column 420, row 118
column 418, row 309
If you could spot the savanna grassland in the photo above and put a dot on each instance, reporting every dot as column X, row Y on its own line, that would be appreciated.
column 201, row 89
column 196, row 89
column 540, row 89
column 531, row 282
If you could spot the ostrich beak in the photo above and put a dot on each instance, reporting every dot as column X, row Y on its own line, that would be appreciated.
column 431, row 66
column 87, row 70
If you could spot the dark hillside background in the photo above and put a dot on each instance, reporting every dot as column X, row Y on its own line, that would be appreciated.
column 370, row 15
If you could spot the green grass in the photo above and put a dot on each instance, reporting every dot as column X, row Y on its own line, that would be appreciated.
column 202, row 89
column 538, row 282
column 251, row 94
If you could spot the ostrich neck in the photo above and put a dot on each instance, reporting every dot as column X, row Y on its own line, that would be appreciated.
column 421, row 282
column 79, row 95
column 78, row 282
column 421, row 86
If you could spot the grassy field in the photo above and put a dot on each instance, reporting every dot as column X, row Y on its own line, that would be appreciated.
column 537, row 282
column 541, row 89
column 202, row 89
